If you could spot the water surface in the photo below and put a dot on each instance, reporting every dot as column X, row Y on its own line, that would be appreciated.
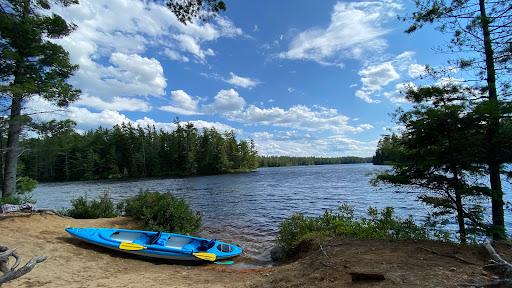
column 247, row 208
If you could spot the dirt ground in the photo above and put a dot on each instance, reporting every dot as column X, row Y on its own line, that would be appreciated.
column 73, row 263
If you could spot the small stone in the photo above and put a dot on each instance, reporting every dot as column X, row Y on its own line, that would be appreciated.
column 453, row 269
column 277, row 253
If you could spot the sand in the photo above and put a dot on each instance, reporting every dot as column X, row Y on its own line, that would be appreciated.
column 73, row 263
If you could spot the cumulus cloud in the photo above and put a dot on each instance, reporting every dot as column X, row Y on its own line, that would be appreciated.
column 397, row 95
column 299, row 117
column 355, row 29
column 117, row 103
column 226, row 101
column 375, row 77
column 240, row 81
column 281, row 143
column 182, row 104
column 42, row 110
column 112, row 35
column 417, row 70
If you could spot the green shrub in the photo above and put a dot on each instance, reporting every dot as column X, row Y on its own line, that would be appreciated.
column 83, row 208
column 298, row 231
column 24, row 187
column 162, row 212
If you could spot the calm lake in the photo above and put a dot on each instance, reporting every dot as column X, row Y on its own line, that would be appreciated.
column 247, row 208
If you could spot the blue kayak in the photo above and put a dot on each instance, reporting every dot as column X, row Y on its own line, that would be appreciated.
column 156, row 244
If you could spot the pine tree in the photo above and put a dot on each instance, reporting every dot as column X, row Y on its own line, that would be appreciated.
column 30, row 64
column 481, row 32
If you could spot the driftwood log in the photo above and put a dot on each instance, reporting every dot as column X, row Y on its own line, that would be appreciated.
column 13, row 273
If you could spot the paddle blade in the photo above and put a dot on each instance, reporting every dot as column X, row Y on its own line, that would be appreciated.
column 130, row 246
column 205, row 256
column 224, row 262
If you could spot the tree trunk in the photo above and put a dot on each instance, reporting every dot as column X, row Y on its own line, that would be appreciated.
column 11, row 155
column 460, row 209
column 498, row 221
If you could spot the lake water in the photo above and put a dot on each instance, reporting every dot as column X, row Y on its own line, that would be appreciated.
column 247, row 208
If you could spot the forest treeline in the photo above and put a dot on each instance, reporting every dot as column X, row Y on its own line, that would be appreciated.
column 127, row 151
column 388, row 151
column 278, row 161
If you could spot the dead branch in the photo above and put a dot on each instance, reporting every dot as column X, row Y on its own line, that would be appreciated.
column 11, row 273
column 449, row 256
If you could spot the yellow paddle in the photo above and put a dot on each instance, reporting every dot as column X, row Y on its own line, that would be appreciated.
column 135, row 247
column 131, row 246
column 205, row 256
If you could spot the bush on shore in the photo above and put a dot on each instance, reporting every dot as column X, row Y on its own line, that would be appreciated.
column 298, row 232
column 162, row 212
column 24, row 187
column 84, row 208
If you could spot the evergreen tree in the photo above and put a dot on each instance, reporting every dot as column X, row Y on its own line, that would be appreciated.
column 435, row 155
column 30, row 64
column 481, row 28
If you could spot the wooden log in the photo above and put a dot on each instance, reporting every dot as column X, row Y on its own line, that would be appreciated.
column 366, row 276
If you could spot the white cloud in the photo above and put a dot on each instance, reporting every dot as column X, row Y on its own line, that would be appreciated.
column 173, row 55
column 112, row 35
column 299, row 117
column 134, row 75
column 376, row 77
column 417, row 70
column 191, row 45
column 117, row 103
column 397, row 96
column 226, row 101
column 182, row 103
column 42, row 110
column 355, row 29
column 291, row 143
column 244, row 82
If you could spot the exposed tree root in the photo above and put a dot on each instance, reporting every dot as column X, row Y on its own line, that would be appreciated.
column 13, row 273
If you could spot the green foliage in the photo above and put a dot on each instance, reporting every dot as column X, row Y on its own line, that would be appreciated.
column 299, row 229
column 443, row 149
column 278, row 161
column 162, row 212
column 126, row 151
column 188, row 10
column 388, row 150
column 25, row 185
column 84, row 208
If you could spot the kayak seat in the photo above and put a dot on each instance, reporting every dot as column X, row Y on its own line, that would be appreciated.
column 177, row 243
column 206, row 245
column 123, row 236
column 154, row 238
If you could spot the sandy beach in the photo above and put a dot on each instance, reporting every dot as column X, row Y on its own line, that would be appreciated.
column 72, row 263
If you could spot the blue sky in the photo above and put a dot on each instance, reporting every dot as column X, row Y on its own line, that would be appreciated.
column 299, row 78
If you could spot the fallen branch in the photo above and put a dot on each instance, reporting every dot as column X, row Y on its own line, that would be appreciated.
column 449, row 256
column 323, row 251
column 11, row 273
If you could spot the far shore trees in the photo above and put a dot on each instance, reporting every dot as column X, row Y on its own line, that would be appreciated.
column 128, row 151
